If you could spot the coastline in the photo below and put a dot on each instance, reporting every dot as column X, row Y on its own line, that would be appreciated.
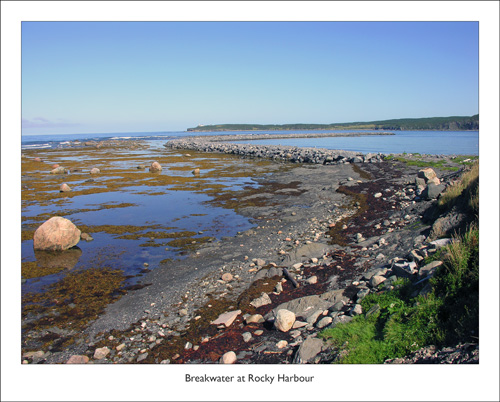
column 292, row 209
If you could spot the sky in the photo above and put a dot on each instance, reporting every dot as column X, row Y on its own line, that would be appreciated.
column 97, row 77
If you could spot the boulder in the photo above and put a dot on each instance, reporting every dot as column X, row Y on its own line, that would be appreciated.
column 95, row 171
column 56, row 234
column 101, row 353
column 429, row 269
column 78, row 359
column 64, row 188
column 309, row 349
column 155, row 167
column 255, row 318
column 227, row 318
column 284, row 320
column 426, row 174
column 58, row 170
column 196, row 172
column 432, row 191
column 261, row 301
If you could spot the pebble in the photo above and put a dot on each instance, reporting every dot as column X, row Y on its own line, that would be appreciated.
column 377, row 195
column 227, row 277
column 247, row 336
column 312, row 280
column 228, row 358
column 282, row 344
column 101, row 353
column 142, row 357
column 324, row 322
column 258, row 332
column 78, row 359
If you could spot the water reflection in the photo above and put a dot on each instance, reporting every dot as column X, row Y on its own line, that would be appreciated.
column 66, row 259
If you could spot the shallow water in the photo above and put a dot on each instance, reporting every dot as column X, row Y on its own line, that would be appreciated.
column 174, row 205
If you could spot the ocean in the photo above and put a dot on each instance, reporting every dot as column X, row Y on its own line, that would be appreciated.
column 423, row 142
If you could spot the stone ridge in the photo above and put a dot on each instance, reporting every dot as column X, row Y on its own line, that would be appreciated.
column 293, row 154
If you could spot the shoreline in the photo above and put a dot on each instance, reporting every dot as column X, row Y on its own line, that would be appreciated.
column 303, row 213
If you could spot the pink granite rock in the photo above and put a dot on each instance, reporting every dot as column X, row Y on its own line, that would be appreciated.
column 56, row 234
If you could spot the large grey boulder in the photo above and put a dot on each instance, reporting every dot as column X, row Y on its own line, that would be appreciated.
column 56, row 234
column 308, row 305
column 305, row 252
column 309, row 349
column 432, row 191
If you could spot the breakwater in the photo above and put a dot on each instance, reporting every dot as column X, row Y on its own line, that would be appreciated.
column 223, row 144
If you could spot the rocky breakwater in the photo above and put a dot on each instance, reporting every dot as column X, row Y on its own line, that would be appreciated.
column 321, row 156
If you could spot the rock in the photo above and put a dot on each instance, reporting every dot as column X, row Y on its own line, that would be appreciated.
column 282, row 344
column 278, row 288
column 95, row 171
column 432, row 191
column 284, row 320
column 306, row 252
column 35, row 355
column 377, row 195
column 341, row 319
column 299, row 324
column 441, row 242
column 155, row 167
column 196, row 172
column 120, row 347
column 314, row 316
column 359, row 238
column 142, row 357
column 101, row 353
column 58, row 170
column 228, row 358
column 78, row 359
column 308, row 350
column 356, row 310
column 312, row 280
column 56, row 234
column 261, row 301
column 337, row 306
column 373, row 309
column 64, row 188
column 362, row 293
column 37, row 159
column 325, row 321
column 426, row 174
column 258, row 332
column 86, row 237
column 305, row 306
column 404, row 269
column 247, row 336
column 183, row 312
column 429, row 269
column 260, row 262
column 141, row 167
column 377, row 280
column 226, row 319
column 227, row 277
column 255, row 318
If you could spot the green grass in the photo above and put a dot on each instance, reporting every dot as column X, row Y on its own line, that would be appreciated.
column 467, row 187
column 449, row 313
column 439, row 164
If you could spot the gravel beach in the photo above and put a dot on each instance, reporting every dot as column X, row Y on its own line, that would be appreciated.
column 322, row 229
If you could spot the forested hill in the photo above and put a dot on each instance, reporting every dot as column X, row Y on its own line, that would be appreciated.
column 430, row 123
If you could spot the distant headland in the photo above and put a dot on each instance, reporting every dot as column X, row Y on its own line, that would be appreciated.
column 451, row 123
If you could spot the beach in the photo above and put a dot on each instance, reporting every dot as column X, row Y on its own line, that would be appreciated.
column 327, row 223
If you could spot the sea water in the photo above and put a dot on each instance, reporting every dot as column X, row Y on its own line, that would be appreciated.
column 423, row 142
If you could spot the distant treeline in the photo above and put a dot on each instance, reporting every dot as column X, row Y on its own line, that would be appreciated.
column 428, row 123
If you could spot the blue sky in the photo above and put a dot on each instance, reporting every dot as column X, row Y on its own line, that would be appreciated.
column 97, row 77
